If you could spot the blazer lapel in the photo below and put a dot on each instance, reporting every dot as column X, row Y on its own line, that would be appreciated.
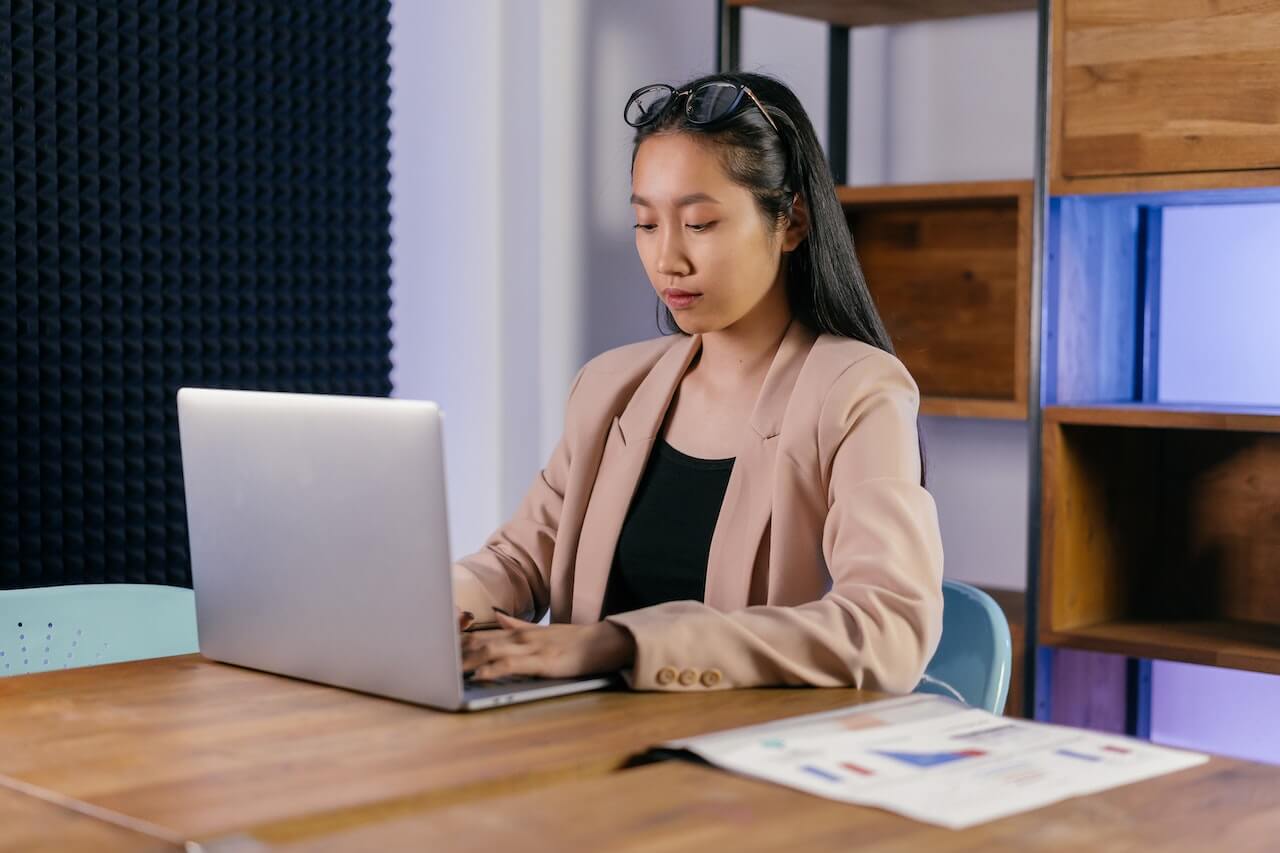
column 626, row 450
column 748, row 501
column 744, row 515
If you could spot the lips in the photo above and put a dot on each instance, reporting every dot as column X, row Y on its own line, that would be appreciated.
column 678, row 299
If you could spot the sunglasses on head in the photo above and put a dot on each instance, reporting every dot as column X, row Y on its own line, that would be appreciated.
column 705, row 104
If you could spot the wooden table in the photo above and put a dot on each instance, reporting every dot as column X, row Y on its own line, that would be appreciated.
column 30, row 823
column 678, row 806
column 201, row 749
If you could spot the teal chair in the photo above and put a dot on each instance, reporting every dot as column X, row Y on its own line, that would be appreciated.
column 61, row 627
column 973, row 659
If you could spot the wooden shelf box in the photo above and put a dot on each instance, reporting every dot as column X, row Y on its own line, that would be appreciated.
column 1161, row 533
column 1148, row 95
column 949, row 266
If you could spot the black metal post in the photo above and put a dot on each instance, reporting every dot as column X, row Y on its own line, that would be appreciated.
column 729, row 28
column 838, row 103
column 1137, row 706
column 1039, row 670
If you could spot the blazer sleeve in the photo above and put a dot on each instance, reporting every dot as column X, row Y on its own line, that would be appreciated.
column 880, row 622
column 513, row 568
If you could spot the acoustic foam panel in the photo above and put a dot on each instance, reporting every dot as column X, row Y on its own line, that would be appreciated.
column 192, row 192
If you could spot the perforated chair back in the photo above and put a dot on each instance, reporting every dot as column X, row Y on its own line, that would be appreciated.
column 974, row 657
column 62, row 627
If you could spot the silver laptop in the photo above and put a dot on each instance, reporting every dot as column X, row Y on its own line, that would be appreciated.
column 320, row 545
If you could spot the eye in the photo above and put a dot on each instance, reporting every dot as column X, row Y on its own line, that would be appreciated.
column 645, row 228
column 698, row 228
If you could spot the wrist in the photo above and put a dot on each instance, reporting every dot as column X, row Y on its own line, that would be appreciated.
column 621, row 644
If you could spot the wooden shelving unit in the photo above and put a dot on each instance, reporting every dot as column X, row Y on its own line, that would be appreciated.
column 949, row 266
column 1159, row 521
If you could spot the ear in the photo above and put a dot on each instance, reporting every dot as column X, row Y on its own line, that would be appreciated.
column 798, row 227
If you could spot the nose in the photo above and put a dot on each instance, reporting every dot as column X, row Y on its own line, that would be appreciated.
column 671, row 257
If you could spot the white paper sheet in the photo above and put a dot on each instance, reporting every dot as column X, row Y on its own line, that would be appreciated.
column 935, row 760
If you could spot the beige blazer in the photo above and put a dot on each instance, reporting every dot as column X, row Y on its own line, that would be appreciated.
column 826, row 562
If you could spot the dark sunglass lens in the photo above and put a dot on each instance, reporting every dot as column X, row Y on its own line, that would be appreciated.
column 712, row 101
column 647, row 104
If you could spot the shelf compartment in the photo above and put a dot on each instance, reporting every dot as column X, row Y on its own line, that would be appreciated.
column 949, row 268
column 1161, row 540
column 870, row 13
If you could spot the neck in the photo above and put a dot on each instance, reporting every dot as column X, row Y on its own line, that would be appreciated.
column 743, row 351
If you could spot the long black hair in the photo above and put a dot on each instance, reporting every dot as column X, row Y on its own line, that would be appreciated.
column 826, row 288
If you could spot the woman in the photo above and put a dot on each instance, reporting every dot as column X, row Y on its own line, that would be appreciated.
column 740, row 503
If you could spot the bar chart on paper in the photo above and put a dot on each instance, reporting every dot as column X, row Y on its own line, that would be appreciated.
column 934, row 760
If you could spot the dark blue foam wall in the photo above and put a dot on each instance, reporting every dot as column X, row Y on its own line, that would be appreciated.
column 192, row 192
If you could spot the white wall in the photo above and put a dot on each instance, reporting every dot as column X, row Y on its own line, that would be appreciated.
column 630, row 44
column 958, row 102
column 513, row 259
column 961, row 98
column 445, row 265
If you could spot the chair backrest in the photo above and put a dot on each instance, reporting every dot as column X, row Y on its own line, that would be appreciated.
column 973, row 659
column 60, row 627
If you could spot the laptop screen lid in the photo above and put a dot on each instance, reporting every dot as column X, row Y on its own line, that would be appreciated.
column 319, row 539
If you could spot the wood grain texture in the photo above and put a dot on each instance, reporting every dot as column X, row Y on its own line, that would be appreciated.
column 677, row 806
column 1161, row 542
column 203, row 748
column 1098, row 520
column 1093, row 299
column 949, row 268
column 1154, row 95
column 924, row 195
column 1169, row 416
column 1246, row 181
column 29, row 824
column 1211, row 642
column 869, row 13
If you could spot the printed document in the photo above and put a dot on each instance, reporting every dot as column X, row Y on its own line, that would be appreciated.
column 935, row 760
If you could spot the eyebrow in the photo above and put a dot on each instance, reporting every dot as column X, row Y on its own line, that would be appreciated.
column 684, row 201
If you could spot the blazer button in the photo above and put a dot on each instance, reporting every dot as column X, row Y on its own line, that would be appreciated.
column 711, row 678
column 666, row 675
column 688, row 677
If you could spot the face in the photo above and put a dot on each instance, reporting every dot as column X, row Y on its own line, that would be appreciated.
column 699, row 233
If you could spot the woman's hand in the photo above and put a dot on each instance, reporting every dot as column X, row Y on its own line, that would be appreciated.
column 549, row 651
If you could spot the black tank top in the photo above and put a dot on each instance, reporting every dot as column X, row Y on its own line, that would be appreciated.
column 666, row 536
